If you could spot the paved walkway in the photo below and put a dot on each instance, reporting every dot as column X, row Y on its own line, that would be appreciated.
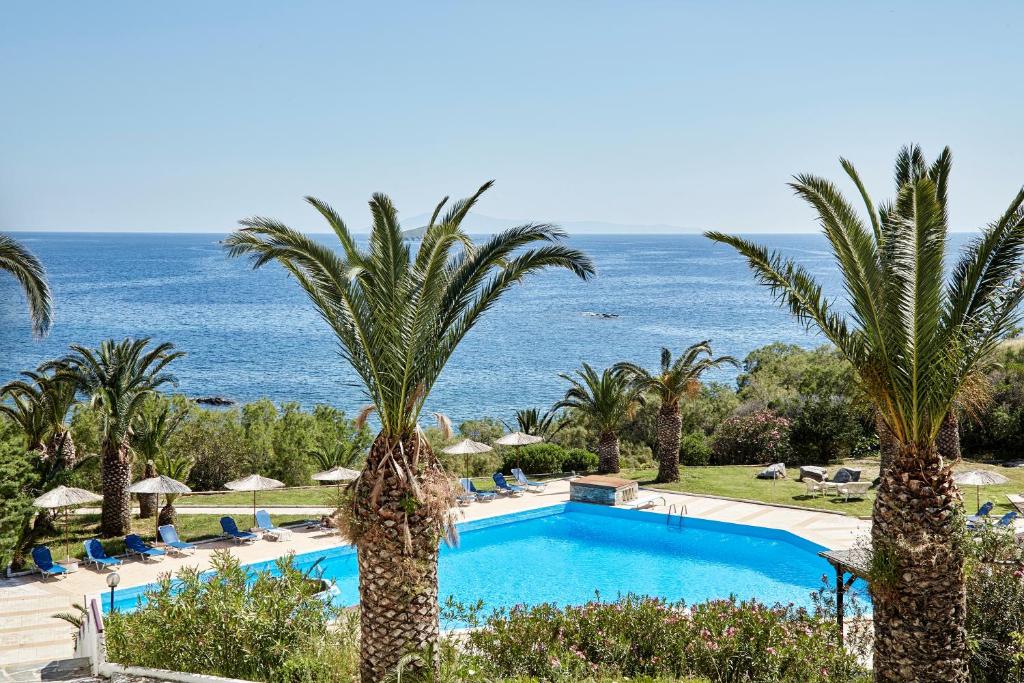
column 28, row 633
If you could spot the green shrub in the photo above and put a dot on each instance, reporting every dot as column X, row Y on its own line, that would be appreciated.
column 272, row 628
column 722, row 640
column 995, row 605
column 18, row 479
column 637, row 456
column 579, row 460
column 752, row 439
column 694, row 449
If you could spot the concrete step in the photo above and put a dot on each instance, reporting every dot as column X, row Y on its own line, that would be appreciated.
column 49, row 670
column 29, row 637
column 43, row 651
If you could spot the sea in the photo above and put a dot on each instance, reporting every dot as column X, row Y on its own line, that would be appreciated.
column 251, row 334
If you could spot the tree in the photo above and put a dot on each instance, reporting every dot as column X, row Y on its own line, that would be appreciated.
column 674, row 382
column 118, row 377
column 919, row 343
column 532, row 421
column 28, row 271
column 604, row 402
column 398, row 317
column 176, row 465
column 153, row 430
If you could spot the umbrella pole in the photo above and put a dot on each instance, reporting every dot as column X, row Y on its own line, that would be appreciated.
column 67, row 536
column 156, row 521
column 977, row 496
column 254, row 508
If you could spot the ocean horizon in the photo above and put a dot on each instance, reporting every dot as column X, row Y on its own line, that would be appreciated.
column 250, row 335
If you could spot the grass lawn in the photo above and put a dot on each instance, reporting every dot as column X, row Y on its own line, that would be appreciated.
column 737, row 481
column 190, row 528
column 302, row 497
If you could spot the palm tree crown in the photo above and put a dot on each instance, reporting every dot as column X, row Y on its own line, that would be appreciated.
column 918, row 340
column 605, row 400
column 399, row 316
column 532, row 421
column 679, row 379
column 28, row 271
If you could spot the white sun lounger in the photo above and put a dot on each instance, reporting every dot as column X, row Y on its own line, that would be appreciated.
column 645, row 502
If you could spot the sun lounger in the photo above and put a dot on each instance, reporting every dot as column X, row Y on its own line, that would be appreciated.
column 227, row 524
column 95, row 554
column 471, row 489
column 1016, row 501
column 531, row 485
column 136, row 546
column 266, row 526
column 169, row 537
column 1006, row 521
column 645, row 502
column 981, row 515
column 853, row 489
column 44, row 562
column 504, row 487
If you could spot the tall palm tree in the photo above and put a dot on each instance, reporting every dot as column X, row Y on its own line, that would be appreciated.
column 153, row 430
column 343, row 453
column 604, row 401
column 28, row 271
column 919, row 342
column 118, row 377
column 398, row 317
column 674, row 382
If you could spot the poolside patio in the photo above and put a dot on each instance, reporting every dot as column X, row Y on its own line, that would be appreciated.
column 30, row 634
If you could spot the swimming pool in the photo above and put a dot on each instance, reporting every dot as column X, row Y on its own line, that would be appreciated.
column 566, row 553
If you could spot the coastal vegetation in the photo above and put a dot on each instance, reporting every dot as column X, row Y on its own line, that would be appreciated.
column 398, row 318
column 919, row 345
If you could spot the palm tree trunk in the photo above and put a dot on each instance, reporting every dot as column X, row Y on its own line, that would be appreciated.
column 400, row 509
column 116, row 516
column 147, row 501
column 608, row 453
column 168, row 515
column 917, row 585
column 63, row 446
column 669, row 425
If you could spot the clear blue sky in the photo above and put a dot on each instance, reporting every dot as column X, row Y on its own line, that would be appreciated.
column 187, row 116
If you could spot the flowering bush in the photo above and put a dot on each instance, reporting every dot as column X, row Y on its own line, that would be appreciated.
column 721, row 640
column 762, row 437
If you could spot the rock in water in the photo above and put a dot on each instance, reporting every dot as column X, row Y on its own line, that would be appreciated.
column 214, row 401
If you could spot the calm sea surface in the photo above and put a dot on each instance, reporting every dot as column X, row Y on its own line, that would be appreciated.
column 251, row 334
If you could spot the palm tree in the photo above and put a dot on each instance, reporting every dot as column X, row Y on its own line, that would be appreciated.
column 675, row 381
column 176, row 465
column 39, row 405
column 28, row 271
column 532, row 421
column 919, row 342
column 153, row 430
column 118, row 378
column 604, row 402
column 398, row 317
column 343, row 453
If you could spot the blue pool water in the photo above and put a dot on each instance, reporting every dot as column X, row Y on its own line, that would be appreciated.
column 565, row 553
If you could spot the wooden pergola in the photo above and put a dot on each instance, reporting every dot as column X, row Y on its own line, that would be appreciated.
column 852, row 562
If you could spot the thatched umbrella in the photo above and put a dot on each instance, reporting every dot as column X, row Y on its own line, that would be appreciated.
column 336, row 474
column 977, row 479
column 159, row 484
column 516, row 439
column 65, row 497
column 254, row 483
column 467, row 447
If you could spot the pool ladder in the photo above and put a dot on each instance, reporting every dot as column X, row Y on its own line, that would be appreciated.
column 676, row 511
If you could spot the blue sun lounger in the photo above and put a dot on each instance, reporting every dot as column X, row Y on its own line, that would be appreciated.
column 521, row 478
column 264, row 524
column 95, row 554
column 44, row 562
column 136, row 546
column 504, row 487
column 1006, row 520
column 227, row 524
column 981, row 515
column 481, row 496
column 169, row 537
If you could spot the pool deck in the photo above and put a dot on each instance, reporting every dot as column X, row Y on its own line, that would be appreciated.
column 28, row 633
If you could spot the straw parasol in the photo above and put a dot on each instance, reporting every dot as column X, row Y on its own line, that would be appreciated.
column 336, row 474
column 65, row 497
column 516, row 439
column 159, row 484
column 977, row 479
column 254, row 483
column 467, row 447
